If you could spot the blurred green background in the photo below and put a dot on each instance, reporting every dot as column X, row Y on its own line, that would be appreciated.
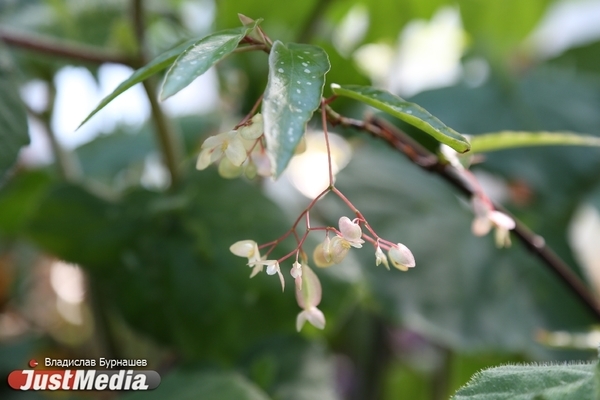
column 99, row 258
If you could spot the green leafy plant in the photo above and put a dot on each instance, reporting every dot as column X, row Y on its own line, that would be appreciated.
column 162, row 261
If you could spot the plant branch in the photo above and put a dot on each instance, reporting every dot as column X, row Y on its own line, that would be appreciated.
column 399, row 140
column 167, row 137
column 62, row 48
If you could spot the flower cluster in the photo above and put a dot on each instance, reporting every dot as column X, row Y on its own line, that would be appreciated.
column 331, row 251
column 237, row 151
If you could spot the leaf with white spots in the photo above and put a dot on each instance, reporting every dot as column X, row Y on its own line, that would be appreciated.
column 408, row 112
column 158, row 64
column 293, row 93
column 200, row 56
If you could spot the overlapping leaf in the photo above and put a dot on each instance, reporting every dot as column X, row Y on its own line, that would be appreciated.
column 158, row 64
column 406, row 111
column 200, row 56
column 296, row 79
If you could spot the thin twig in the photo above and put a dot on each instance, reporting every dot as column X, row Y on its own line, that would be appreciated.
column 62, row 48
column 399, row 140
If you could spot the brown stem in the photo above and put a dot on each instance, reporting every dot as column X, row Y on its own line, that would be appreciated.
column 399, row 140
column 63, row 48
column 168, row 139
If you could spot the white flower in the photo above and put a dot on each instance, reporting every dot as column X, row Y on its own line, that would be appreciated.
column 401, row 257
column 338, row 249
column 351, row 231
column 248, row 249
column 380, row 257
column 312, row 315
column 253, row 129
column 272, row 269
column 296, row 273
column 486, row 218
column 308, row 298
column 227, row 143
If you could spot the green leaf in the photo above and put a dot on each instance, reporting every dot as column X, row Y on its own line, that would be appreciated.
column 158, row 64
column 13, row 118
column 19, row 199
column 200, row 56
column 296, row 79
column 79, row 227
column 548, row 382
column 511, row 139
column 410, row 113
column 184, row 385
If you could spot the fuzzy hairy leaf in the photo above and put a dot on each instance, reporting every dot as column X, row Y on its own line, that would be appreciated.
column 296, row 79
column 521, row 382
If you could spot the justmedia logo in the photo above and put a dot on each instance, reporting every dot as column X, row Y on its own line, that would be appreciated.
column 82, row 379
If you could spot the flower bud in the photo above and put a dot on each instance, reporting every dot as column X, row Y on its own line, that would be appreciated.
column 339, row 248
column 380, row 257
column 401, row 257
column 228, row 170
column 322, row 254
column 253, row 129
column 351, row 232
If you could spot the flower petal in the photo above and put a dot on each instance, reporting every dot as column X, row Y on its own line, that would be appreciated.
column 235, row 151
column 401, row 257
column 310, row 293
column 229, row 171
column 502, row 220
column 350, row 230
column 380, row 257
column 281, row 279
column 481, row 226
column 204, row 159
column 319, row 257
column 315, row 317
column 254, row 128
column 300, row 320
column 213, row 142
column 245, row 248
column 339, row 249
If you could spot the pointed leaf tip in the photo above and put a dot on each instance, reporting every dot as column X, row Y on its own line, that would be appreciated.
column 408, row 112
column 293, row 93
column 200, row 56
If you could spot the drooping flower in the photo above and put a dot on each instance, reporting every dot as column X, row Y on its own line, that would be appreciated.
column 253, row 128
column 338, row 249
column 227, row 143
column 308, row 298
column 401, row 257
column 380, row 257
column 272, row 269
column 351, row 232
column 296, row 273
column 248, row 249
column 486, row 218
